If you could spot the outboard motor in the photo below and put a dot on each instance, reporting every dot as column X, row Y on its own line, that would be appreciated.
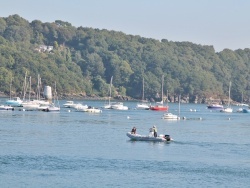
column 167, row 137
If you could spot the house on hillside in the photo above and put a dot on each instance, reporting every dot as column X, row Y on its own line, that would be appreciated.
column 44, row 48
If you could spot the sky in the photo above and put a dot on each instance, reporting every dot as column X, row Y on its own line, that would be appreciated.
column 218, row 23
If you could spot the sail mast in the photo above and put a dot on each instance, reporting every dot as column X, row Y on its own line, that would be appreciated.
column 143, row 89
column 229, row 93
column 162, row 88
column 110, row 88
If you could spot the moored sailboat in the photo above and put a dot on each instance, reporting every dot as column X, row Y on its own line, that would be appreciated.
column 108, row 106
column 228, row 109
column 143, row 105
column 160, row 105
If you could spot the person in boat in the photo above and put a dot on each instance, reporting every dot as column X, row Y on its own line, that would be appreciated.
column 151, row 132
column 133, row 131
column 155, row 131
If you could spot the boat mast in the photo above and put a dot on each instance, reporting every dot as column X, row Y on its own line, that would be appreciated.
column 143, row 89
column 24, row 86
column 162, row 88
column 110, row 88
column 30, row 88
column 179, row 105
column 242, row 98
column 10, row 86
column 38, row 88
column 229, row 93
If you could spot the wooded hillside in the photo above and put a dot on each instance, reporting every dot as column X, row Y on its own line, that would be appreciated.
column 83, row 60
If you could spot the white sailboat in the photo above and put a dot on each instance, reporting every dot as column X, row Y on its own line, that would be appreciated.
column 160, row 105
column 143, row 105
column 114, row 105
column 228, row 109
column 30, row 104
column 171, row 116
column 108, row 106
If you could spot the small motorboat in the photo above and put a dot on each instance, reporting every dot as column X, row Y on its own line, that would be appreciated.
column 14, row 102
column 52, row 108
column 244, row 110
column 4, row 107
column 160, row 138
column 69, row 104
column 142, row 106
column 227, row 110
column 170, row 116
column 80, row 107
column 118, row 106
column 159, row 107
column 92, row 110
column 215, row 107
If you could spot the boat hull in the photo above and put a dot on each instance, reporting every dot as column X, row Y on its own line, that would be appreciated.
column 245, row 110
column 170, row 116
column 142, row 107
column 227, row 110
column 92, row 110
column 137, row 137
column 15, row 102
column 3, row 107
column 159, row 108
column 215, row 107
column 118, row 106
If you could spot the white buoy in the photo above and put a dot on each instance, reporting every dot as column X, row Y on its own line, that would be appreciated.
column 68, row 110
column 229, row 119
column 128, row 117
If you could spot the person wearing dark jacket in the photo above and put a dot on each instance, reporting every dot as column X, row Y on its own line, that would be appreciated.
column 133, row 131
column 155, row 131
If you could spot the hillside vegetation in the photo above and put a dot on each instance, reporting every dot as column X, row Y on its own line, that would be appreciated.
column 84, row 59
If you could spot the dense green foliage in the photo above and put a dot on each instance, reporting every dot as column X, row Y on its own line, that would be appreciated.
column 84, row 59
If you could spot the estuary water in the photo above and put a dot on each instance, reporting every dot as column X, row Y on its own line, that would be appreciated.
column 77, row 149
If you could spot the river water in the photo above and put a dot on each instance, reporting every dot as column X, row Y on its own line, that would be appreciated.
column 77, row 149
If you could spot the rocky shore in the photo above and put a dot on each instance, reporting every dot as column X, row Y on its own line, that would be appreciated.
column 171, row 99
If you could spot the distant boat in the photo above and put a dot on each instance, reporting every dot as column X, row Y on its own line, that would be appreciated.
column 4, row 107
column 14, row 102
column 228, row 109
column 143, row 105
column 80, row 107
column 92, row 110
column 118, row 106
column 242, row 104
column 108, row 106
column 138, row 137
column 172, row 116
column 245, row 110
column 69, row 104
column 160, row 105
column 33, row 104
column 215, row 106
